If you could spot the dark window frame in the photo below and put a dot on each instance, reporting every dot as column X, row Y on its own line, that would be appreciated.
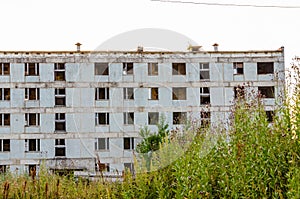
column 32, row 69
column 102, row 118
column 238, row 68
column 179, row 118
column 179, row 93
column 128, row 143
column 153, row 69
column 266, row 91
column 265, row 68
column 179, row 68
column 101, row 68
column 128, row 118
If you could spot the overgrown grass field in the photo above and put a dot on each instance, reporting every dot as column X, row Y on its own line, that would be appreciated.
column 249, row 159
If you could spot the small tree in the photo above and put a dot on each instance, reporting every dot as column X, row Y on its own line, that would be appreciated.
column 151, row 141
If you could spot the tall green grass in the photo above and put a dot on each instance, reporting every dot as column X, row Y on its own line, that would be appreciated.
column 251, row 159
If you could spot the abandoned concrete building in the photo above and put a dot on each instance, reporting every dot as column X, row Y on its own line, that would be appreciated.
column 65, row 108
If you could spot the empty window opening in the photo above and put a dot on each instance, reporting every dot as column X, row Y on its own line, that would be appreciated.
column 4, row 94
column 266, row 92
column 204, row 96
column 4, row 68
column 101, row 93
column 32, row 119
column 128, row 118
column 60, row 122
column 239, row 92
column 265, row 67
column 59, row 72
column 128, row 93
column 103, row 167
column 179, row 93
column 4, row 145
column 127, row 68
column 60, row 97
column 101, row 144
column 153, row 118
column 204, row 71
column 129, row 167
column 4, row 119
column 179, row 117
column 32, row 93
column 238, row 68
column 128, row 143
column 152, row 69
column 102, row 118
column 270, row 116
column 32, row 169
column 3, row 169
column 101, row 69
column 32, row 145
column 153, row 93
column 205, row 119
column 178, row 69
column 60, row 148
column 31, row 69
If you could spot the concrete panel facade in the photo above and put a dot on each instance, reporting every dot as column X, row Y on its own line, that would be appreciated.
column 63, row 129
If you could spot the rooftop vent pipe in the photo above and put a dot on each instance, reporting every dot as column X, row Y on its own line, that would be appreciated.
column 78, row 46
column 216, row 47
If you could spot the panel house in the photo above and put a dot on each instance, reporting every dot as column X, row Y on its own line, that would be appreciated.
column 65, row 108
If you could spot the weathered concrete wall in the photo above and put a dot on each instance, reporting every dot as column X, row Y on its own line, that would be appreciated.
column 81, row 105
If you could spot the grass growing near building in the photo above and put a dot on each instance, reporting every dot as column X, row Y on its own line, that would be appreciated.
column 254, row 160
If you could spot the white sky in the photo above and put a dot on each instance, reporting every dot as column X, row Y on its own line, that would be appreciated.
column 59, row 24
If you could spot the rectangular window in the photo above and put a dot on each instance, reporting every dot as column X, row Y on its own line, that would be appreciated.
column 60, row 148
column 153, row 118
column 205, row 119
column 60, row 122
column 102, row 118
column 32, row 93
column 152, row 69
column 101, row 144
column 179, row 117
column 103, row 167
column 4, row 119
column 266, row 91
column 127, row 68
column 129, row 167
column 239, row 92
column 265, row 67
column 31, row 69
column 32, row 169
column 4, row 94
column 101, row 93
column 128, row 93
column 179, row 93
column 59, row 72
column 153, row 93
column 4, row 145
column 3, row 169
column 32, row 119
column 204, row 96
column 204, row 71
column 60, row 97
column 128, row 118
column 270, row 116
column 4, row 68
column 32, row 145
column 128, row 143
column 101, row 69
column 178, row 69
column 238, row 68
